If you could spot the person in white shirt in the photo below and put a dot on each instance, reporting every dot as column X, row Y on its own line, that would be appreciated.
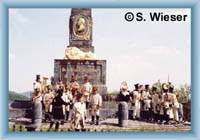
column 79, row 112
column 95, row 104
column 175, row 104
column 166, row 100
column 67, row 97
column 37, row 89
column 47, row 100
column 136, row 102
column 86, row 90
column 146, row 98
column 37, row 104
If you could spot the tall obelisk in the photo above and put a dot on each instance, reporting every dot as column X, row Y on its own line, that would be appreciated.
column 80, row 25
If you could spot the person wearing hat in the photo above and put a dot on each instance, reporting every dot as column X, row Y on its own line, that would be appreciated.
column 175, row 104
column 124, row 94
column 166, row 100
column 75, row 89
column 61, row 85
column 47, row 100
column 132, row 99
column 37, row 84
column 95, row 104
column 136, row 96
column 37, row 102
column 73, row 80
column 79, row 113
column 57, row 111
column 146, row 98
column 44, row 84
column 67, row 97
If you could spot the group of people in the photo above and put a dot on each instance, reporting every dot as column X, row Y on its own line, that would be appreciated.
column 75, row 103
column 152, row 105
column 72, row 102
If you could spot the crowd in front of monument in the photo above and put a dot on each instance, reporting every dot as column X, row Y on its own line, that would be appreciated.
column 66, row 103
column 74, row 103
column 152, row 106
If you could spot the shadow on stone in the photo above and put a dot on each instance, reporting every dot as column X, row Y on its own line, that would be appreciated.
column 109, row 123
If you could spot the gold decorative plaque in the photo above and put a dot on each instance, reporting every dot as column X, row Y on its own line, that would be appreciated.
column 81, row 27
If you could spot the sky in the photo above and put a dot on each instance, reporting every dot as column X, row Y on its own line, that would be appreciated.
column 135, row 52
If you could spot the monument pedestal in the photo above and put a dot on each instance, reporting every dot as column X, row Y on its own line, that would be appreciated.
column 94, row 69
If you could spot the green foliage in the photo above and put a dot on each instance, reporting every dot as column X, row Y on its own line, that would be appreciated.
column 158, row 86
column 15, row 96
column 184, row 94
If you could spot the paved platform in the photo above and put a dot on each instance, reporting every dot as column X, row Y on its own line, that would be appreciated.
column 111, row 125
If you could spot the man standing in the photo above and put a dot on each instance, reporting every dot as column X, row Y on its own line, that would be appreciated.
column 166, row 99
column 67, row 97
column 37, row 83
column 95, row 104
column 146, row 97
column 86, row 90
column 175, row 104
column 136, row 102
column 47, row 100
column 37, row 104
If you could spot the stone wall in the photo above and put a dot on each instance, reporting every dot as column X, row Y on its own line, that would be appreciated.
column 94, row 69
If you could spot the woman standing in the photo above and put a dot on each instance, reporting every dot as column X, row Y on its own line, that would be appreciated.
column 57, row 112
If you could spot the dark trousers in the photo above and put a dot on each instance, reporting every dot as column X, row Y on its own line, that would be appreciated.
column 161, row 118
column 166, row 116
column 145, row 115
column 56, row 126
column 67, row 115
column 97, row 120
column 155, row 117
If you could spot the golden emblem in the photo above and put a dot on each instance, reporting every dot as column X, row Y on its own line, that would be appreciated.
column 81, row 28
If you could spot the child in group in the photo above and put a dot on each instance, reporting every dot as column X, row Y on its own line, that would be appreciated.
column 79, row 113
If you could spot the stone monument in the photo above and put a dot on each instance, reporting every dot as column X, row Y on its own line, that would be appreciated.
column 80, row 60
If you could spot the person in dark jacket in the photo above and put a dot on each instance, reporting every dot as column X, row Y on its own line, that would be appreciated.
column 57, row 111
column 124, row 94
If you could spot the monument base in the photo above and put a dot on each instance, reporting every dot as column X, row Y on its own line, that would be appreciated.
column 94, row 69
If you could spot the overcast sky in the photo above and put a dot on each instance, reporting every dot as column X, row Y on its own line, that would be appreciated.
column 135, row 51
